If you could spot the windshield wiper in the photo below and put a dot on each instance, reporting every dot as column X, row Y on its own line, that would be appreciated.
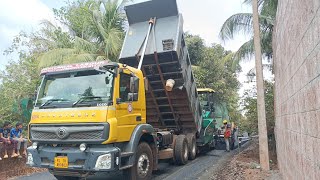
column 80, row 100
column 50, row 101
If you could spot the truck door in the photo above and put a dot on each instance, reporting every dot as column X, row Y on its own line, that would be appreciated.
column 128, row 109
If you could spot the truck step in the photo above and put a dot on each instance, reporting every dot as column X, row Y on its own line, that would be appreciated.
column 126, row 154
column 125, row 167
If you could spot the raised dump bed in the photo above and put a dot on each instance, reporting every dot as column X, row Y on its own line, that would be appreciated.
column 166, row 57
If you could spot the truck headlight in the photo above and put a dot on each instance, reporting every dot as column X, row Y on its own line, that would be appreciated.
column 83, row 147
column 30, row 159
column 103, row 162
column 35, row 145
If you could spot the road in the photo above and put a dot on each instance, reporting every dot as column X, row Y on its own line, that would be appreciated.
column 192, row 170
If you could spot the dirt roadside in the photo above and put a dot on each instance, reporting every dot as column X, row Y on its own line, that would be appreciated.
column 12, row 167
column 242, row 166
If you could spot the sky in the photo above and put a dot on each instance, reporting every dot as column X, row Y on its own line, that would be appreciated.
column 201, row 17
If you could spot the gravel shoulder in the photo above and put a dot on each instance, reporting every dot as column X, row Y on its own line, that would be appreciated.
column 242, row 166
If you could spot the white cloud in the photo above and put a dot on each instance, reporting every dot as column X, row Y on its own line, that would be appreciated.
column 24, row 12
column 19, row 15
column 205, row 18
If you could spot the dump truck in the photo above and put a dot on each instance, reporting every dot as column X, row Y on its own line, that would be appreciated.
column 106, row 116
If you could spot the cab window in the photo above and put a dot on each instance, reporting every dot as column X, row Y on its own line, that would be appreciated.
column 125, row 87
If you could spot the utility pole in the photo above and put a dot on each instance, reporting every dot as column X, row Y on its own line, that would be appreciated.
column 263, row 140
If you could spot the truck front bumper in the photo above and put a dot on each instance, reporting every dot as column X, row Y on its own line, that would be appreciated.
column 92, row 159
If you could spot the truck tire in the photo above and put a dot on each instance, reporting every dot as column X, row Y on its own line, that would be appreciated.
column 192, row 146
column 181, row 150
column 143, row 165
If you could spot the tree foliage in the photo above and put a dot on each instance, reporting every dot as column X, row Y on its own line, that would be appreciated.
column 242, row 23
column 196, row 48
column 85, row 31
column 94, row 31
column 19, row 80
column 250, row 124
column 215, row 69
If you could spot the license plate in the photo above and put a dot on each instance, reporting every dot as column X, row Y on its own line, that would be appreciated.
column 61, row 162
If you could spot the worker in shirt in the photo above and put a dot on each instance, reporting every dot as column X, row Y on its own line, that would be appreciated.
column 227, row 134
column 5, row 138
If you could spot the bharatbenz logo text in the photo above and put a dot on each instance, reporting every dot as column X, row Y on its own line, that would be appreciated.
column 62, row 133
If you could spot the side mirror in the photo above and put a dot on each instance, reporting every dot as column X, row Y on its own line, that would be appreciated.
column 134, row 84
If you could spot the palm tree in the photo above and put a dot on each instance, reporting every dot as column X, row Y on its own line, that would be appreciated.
column 95, row 32
column 242, row 22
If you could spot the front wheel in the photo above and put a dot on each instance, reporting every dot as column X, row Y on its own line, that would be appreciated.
column 143, row 165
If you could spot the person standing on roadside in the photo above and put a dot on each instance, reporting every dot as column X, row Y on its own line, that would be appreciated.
column 227, row 134
column 5, row 138
column 16, row 134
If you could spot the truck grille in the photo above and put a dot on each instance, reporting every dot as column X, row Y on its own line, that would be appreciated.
column 43, row 135
column 64, row 133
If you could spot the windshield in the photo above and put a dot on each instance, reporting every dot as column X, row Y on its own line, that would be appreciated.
column 205, row 98
column 83, row 88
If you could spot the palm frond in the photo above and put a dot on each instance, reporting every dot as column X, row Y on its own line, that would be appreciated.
column 84, row 45
column 101, row 58
column 81, row 57
column 252, row 72
column 241, row 22
column 55, row 56
column 244, row 52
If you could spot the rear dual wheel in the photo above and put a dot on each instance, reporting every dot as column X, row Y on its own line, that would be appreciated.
column 192, row 146
column 181, row 151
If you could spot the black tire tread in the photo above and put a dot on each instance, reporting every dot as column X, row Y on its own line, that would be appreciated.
column 180, row 142
column 191, row 140
column 132, row 173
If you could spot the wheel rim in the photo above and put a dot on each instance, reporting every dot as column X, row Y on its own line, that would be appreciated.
column 185, row 152
column 143, row 165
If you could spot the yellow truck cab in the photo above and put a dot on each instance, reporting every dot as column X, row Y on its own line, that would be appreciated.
column 93, row 106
